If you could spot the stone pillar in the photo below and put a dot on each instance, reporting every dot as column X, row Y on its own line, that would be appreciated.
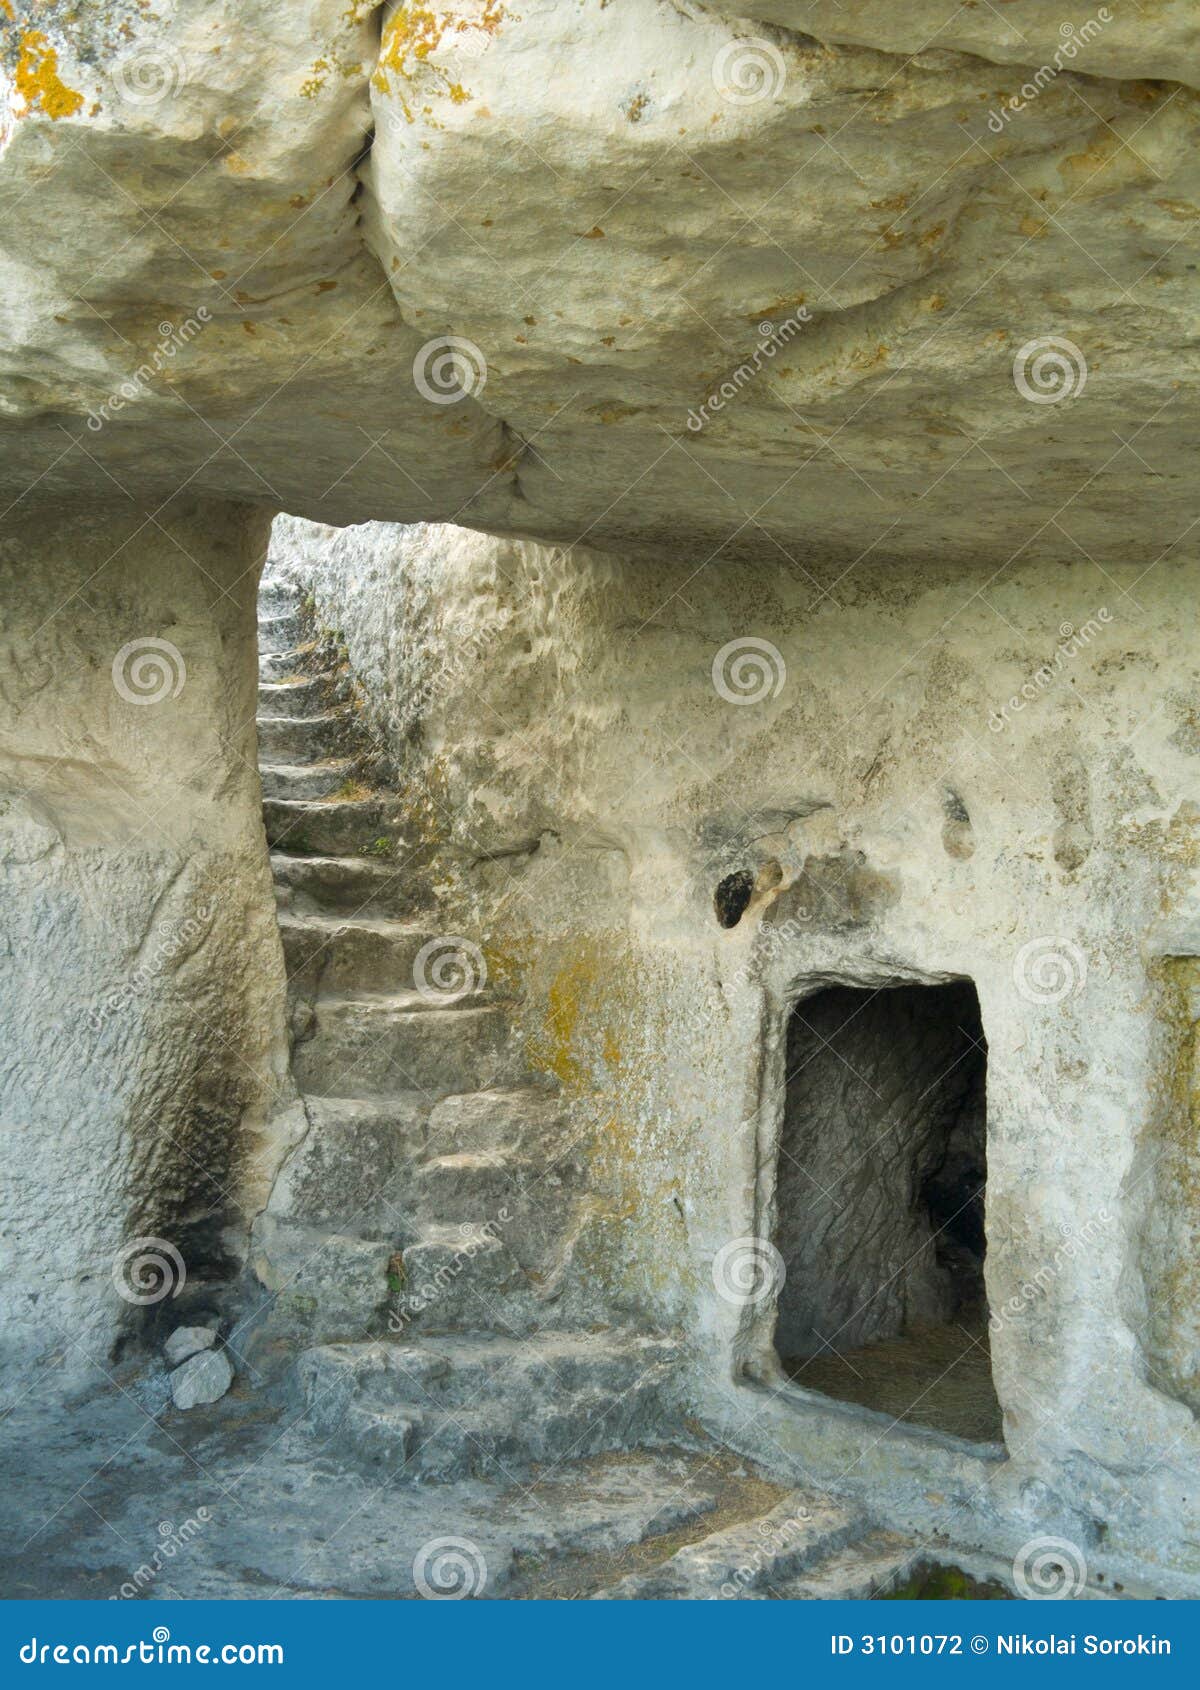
column 143, row 1054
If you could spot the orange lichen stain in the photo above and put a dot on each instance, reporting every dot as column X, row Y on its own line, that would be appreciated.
column 218, row 275
column 893, row 202
column 410, row 38
column 932, row 236
column 250, row 328
column 299, row 201
column 487, row 223
column 595, row 233
column 936, row 302
column 236, row 164
column 326, row 286
column 530, row 321
column 1033, row 227
column 38, row 81
column 520, row 340
column 608, row 340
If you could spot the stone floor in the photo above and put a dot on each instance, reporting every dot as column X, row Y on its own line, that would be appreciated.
column 227, row 1501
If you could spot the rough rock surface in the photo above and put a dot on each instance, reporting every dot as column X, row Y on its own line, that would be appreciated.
column 928, row 783
column 143, row 1063
column 239, row 217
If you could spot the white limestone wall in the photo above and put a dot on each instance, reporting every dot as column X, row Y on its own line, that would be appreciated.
column 143, row 1061
column 933, row 773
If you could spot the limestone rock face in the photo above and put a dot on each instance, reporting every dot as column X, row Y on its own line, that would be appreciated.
column 923, row 785
column 829, row 277
column 1123, row 39
column 144, row 1050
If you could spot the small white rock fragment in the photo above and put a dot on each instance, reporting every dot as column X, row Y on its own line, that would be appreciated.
column 187, row 1341
column 202, row 1378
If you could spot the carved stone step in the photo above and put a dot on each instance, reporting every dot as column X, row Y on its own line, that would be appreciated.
column 474, row 1404
column 354, row 886
column 353, row 1170
column 349, row 827
column 871, row 1567
column 378, row 1046
column 301, row 739
column 309, row 695
column 748, row 1559
column 353, row 955
column 280, row 632
column 305, row 781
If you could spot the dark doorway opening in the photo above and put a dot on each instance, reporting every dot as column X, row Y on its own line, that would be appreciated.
column 881, row 1205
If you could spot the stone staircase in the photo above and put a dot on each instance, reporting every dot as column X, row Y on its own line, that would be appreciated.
column 419, row 1234
column 809, row 1547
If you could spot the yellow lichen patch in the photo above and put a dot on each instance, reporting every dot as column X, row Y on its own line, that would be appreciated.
column 38, row 81
column 412, row 35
